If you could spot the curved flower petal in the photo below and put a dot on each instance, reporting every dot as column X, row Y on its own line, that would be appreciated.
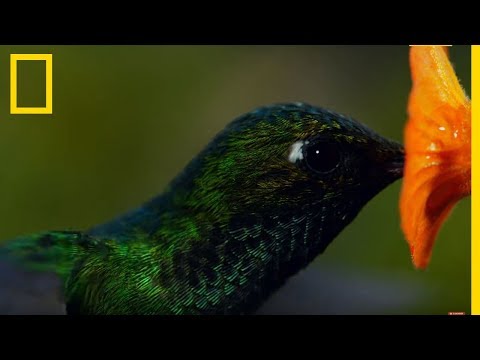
column 437, row 147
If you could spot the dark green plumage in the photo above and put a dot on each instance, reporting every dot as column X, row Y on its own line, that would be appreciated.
column 252, row 209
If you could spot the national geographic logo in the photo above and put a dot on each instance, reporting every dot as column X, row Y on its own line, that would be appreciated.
column 14, row 108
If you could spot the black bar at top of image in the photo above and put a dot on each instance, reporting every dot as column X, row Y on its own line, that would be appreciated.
column 245, row 31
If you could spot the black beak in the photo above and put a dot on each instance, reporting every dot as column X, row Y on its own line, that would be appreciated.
column 394, row 166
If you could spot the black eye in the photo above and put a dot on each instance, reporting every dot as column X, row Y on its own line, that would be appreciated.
column 322, row 157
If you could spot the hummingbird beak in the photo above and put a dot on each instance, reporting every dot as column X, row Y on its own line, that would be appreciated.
column 394, row 167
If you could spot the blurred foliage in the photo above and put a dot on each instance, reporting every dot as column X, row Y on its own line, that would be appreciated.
column 128, row 119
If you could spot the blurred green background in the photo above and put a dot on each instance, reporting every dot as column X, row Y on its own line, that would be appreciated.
column 127, row 119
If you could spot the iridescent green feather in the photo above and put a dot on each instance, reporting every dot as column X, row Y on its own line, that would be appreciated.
column 229, row 230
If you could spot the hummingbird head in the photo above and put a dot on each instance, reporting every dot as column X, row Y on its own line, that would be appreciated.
column 290, row 160
column 265, row 197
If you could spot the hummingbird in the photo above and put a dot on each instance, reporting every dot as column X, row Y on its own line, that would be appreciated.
column 257, row 205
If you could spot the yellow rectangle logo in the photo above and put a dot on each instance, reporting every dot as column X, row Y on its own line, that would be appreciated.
column 475, row 180
column 14, row 109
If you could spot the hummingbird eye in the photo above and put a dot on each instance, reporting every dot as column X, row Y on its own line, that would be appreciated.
column 322, row 157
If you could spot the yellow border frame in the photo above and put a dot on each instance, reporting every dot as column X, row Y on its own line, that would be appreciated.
column 475, row 256
column 48, row 109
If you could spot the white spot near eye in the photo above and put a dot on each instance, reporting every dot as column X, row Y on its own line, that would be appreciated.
column 441, row 128
column 296, row 152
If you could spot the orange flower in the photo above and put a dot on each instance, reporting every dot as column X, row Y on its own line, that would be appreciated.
column 437, row 171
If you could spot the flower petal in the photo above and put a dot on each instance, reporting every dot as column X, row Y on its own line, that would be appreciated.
column 437, row 146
